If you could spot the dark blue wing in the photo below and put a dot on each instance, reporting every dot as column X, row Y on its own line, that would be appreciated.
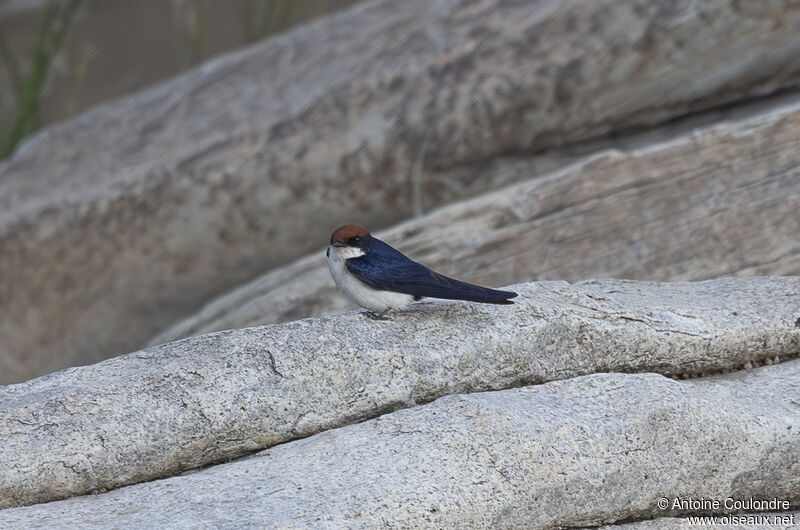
column 386, row 269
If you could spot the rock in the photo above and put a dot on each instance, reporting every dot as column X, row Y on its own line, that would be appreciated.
column 718, row 201
column 134, row 214
column 581, row 452
column 203, row 400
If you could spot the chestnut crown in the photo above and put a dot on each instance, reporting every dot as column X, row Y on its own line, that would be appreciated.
column 349, row 235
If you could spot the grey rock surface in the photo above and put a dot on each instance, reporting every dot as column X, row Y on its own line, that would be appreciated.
column 199, row 401
column 585, row 451
column 716, row 201
column 137, row 212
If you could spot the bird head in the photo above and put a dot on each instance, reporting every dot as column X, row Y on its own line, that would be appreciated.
column 350, row 241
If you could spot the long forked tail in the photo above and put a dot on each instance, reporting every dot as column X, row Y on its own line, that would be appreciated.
column 451, row 289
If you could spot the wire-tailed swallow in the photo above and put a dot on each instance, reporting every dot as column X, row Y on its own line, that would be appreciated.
column 379, row 278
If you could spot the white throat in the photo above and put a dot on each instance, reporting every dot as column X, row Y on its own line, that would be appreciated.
column 359, row 292
column 344, row 253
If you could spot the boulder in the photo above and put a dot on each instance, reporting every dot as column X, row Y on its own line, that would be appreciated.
column 720, row 200
column 133, row 214
column 581, row 452
column 203, row 400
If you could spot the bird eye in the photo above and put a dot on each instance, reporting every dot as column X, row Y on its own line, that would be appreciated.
column 353, row 241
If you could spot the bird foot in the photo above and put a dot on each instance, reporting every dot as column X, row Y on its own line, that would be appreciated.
column 377, row 316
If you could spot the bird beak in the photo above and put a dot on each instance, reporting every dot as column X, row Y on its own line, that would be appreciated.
column 338, row 244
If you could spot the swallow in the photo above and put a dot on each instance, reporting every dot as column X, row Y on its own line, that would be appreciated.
column 379, row 278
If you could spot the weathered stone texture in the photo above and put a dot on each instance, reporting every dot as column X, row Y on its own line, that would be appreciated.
column 720, row 201
column 199, row 401
column 137, row 212
column 585, row 451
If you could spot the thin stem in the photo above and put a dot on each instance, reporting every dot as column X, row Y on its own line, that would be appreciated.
column 52, row 32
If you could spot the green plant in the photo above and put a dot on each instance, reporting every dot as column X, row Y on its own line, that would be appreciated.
column 52, row 28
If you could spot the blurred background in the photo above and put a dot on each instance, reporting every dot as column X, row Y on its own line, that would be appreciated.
column 172, row 168
column 60, row 57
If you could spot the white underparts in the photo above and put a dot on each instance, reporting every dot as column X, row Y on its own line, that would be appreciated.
column 355, row 289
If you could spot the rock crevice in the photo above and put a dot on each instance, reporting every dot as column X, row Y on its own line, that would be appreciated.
column 210, row 398
column 589, row 450
column 137, row 212
column 639, row 213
